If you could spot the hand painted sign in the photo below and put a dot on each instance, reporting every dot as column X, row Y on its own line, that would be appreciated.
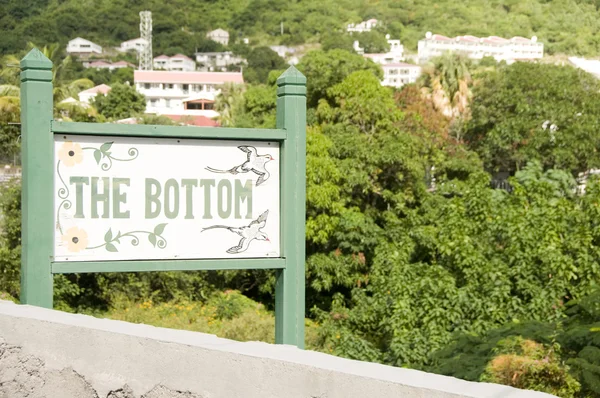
column 106, row 197
column 125, row 198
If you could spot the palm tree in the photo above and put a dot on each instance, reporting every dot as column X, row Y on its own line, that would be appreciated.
column 229, row 103
column 70, row 89
column 446, row 82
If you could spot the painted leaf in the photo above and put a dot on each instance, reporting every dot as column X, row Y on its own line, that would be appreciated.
column 97, row 156
column 152, row 239
column 111, row 248
column 105, row 147
column 108, row 236
column 158, row 230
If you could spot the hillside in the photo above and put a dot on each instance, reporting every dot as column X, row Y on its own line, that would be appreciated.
column 564, row 26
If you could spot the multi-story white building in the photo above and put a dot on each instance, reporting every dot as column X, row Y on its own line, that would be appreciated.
column 364, row 26
column 179, row 63
column 399, row 74
column 134, row 44
column 510, row 50
column 181, row 95
column 217, row 61
column 219, row 35
column 393, row 56
column 79, row 46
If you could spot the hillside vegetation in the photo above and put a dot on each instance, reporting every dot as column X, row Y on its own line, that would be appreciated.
column 564, row 26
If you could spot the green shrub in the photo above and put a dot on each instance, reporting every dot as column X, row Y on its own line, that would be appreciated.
column 529, row 365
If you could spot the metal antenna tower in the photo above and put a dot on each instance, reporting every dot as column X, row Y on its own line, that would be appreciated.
column 146, row 34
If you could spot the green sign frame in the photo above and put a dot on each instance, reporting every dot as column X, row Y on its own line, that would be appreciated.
column 37, row 148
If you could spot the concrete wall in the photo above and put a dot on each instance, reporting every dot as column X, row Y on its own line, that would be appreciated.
column 46, row 353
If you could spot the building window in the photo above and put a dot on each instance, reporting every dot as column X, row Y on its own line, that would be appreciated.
column 167, row 103
column 147, row 86
column 153, row 102
column 194, row 105
column 209, row 106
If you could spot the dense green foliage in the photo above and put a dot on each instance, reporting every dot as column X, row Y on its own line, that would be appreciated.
column 565, row 26
column 530, row 111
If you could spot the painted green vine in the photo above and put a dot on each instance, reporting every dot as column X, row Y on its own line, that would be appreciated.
column 155, row 238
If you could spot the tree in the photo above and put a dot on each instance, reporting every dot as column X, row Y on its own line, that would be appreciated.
column 261, row 61
column 337, row 41
column 122, row 101
column 446, row 84
column 230, row 104
column 326, row 69
column 373, row 42
column 362, row 101
column 527, row 111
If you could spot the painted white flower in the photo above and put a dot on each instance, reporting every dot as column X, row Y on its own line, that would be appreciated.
column 70, row 154
column 76, row 239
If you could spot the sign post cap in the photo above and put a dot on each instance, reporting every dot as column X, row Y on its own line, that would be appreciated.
column 35, row 59
column 291, row 76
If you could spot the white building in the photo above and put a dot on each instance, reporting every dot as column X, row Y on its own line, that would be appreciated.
column 393, row 56
column 283, row 51
column 179, row 63
column 138, row 45
column 180, row 95
column 399, row 74
column 107, row 65
column 86, row 95
column 510, row 50
column 79, row 46
column 217, row 61
column 364, row 26
column 589, row 65
column 219, row 35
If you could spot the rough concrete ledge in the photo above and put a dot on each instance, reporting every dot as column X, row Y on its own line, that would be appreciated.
column 47, row 353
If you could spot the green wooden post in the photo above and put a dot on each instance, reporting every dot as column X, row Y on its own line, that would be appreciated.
column 290, row 286
column 37, row 205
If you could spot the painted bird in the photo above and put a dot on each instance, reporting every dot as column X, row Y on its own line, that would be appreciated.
column 255, row 163
column 248, row 233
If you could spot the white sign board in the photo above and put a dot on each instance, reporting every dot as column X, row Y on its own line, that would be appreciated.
column 124, row 198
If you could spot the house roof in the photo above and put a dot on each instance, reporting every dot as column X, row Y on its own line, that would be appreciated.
column 123, row 63
column 101, row 89
column 162, row 57
column 82, row 39
column 440, row 37
column 468, row 38
column 96, row 64
column 218, row 32
column 181, row 56
column 147, row 76
column 521, row 39
column 490, row 39
column 200, row 97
